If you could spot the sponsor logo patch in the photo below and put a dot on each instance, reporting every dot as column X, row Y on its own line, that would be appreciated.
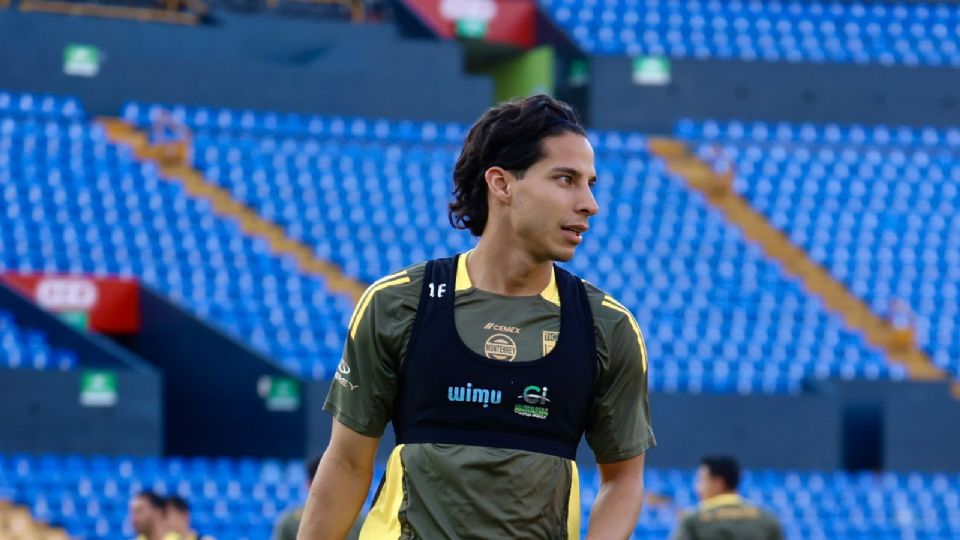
column 469, row 394
column 500, row 347
column 501, row 328
column 534, row 403
column 338, row 377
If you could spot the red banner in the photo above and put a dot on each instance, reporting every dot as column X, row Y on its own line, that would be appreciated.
column 511, row 22
column 113, row 304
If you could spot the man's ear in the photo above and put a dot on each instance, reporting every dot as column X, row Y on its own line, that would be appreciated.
column 499, row 184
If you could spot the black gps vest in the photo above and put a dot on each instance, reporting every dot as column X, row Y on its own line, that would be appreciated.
column 448, row 394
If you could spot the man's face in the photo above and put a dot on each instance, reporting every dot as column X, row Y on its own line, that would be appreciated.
column 706, row 485
column 143, row 516
column 178, row 520
column 553, row 202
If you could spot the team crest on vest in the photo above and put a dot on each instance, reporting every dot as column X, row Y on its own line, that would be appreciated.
column 550, row 338
column 500, row 347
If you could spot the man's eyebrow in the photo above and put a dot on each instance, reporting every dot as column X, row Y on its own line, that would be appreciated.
column 572, row 172
column 566, row 170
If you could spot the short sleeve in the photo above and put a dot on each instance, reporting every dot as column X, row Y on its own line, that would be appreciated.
column 364, row 386
column 620, row 426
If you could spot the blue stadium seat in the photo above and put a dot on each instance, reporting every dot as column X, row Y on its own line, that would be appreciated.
column 373, row 197
column 26, row 348
column 241, row 499
column 876, row 206
column 815, row 31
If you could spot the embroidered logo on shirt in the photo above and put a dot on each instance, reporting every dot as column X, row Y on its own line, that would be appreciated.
column 500, row 347
column 344, row 369
column 550, row 338
column 501, row 328
column 534, row 402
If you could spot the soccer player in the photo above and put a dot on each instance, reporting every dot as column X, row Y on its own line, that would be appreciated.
column 178, row 520
column 147, row 516
column 492, row 364
column 289, row 523
column 722, row 513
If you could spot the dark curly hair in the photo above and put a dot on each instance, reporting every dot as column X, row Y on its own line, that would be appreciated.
column 509, row 136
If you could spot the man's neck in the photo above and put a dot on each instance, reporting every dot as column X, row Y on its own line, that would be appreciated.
column 506, row 271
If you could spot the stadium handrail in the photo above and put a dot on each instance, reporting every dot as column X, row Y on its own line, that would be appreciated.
column 179, row 169
column 857, row 315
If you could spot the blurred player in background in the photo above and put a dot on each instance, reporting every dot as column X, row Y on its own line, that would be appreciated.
column 147, row 516
column 178, row 521
column 722, row 514
column 492, row 365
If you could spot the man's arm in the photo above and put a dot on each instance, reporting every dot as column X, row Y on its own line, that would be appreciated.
column 341, row 485
column 617, row 507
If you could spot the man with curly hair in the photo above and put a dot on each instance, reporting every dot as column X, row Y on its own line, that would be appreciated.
column 492, row 364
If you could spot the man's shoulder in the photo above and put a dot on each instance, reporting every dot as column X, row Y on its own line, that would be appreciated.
column 605, row 307
column 410, row 278
column 769, row 517
column 609, row 315
column 688, row 516
column 401, row 286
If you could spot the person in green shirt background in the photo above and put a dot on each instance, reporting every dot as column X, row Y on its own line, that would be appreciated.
column 289, row 523
column 723, row 514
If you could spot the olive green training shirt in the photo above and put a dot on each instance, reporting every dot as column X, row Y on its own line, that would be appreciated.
column 434, row 491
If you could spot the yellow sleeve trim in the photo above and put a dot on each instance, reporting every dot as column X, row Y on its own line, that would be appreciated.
column 573, row 504
column 609, row 302
column 383, row 520
column 367, row 296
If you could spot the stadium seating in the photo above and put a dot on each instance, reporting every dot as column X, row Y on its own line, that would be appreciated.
column 372, row 196
column 875, row 206
column 889, row 33
column 25, row 348
column 72, row 202
column 240, row 499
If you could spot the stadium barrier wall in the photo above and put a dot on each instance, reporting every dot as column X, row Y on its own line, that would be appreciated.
column 762, row 431
column 898, row 425
column 220, row 397
column 922, row 432
column 44, row 410
column 766, row 91
column 258, row 62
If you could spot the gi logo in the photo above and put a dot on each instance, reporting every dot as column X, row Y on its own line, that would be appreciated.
column 534, row 402
column 500, row 347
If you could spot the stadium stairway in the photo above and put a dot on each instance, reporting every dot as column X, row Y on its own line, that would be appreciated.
column 176, row 168
column 16, row 523
column 900, row 346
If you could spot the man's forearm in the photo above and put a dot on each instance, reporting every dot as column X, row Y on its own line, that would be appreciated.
column 336, row 497
column 616, row 509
